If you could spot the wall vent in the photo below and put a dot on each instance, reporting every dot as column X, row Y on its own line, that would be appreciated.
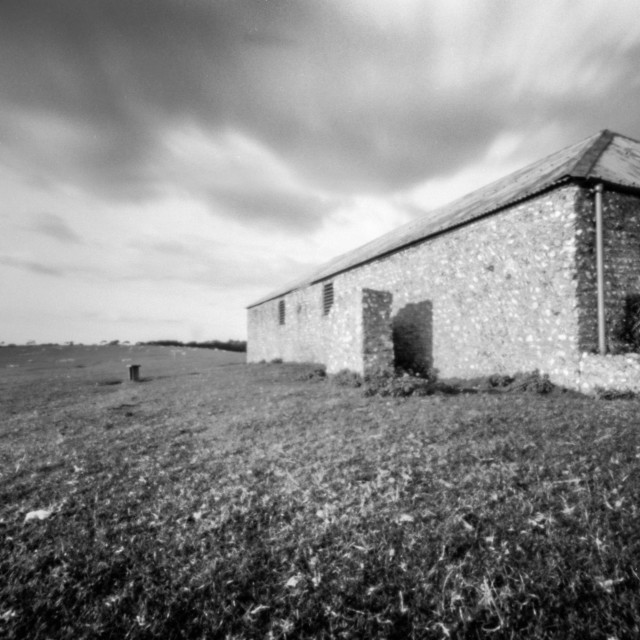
column 327, row 298
column 281, row 312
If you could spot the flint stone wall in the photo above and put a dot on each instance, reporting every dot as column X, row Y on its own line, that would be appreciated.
column 514, row 291
column 355, row 334
column 621, row 248
column 377, row 342
column 497, row 295
column 620, row 372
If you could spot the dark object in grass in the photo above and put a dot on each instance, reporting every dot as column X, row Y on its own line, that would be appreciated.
column 614, row 394
column 134, row 372
column 405, row 384
column 398, row 384
column 500, row 381
column 124, row 405
column 533, row 382
column 308, row 372
column 109, row 383
column 318, row 373
column 527, row 382
column 347, row 378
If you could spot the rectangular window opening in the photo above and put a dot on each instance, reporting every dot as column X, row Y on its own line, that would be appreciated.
column 281, row 312
column 327, row 298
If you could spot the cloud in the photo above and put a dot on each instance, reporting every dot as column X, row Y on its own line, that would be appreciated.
column 32, row 266
column 217, row 265
column 240, row 178
column 296, row 211
column 127, row 318
column 53, row 226
column 357, row 96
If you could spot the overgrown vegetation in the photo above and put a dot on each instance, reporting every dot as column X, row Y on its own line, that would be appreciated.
column 402, row 384
column 614, row 394
column 247, row 502
column 528, row 382
column 398, row 384
column 347, row 378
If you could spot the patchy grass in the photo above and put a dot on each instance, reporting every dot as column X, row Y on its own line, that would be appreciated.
column 262, row 502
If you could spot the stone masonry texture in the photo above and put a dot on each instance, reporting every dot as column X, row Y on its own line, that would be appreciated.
column 377, row 340
column 621, row 240
column 513, row 291
column 620, row 372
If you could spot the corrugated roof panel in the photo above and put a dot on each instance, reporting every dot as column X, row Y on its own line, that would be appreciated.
column 605, row 155
column 619, row 163
column 513, row 188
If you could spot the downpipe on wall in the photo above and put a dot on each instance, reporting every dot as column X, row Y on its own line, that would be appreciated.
column 602, row 343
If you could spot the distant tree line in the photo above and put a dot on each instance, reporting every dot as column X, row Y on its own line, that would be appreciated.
column 229, row 345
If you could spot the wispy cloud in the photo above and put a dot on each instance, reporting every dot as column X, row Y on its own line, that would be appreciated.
column 32, row 266
column 218, row 265
column 53, row 226
column 290, row 210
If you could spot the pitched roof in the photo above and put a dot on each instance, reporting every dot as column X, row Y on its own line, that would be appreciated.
column 606, row 156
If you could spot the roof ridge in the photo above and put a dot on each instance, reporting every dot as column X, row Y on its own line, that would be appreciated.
column 590, row 156
column 622, row 135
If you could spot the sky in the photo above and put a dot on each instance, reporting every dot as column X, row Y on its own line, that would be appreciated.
column 165, row 163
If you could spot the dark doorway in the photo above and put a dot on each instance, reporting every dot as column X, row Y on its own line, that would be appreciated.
column 629, row 331
column 412, row 330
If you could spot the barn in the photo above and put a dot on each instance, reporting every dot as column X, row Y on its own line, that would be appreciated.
column 538, row 270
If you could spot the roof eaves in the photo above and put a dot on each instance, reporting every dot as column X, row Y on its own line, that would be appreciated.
column 618, row 185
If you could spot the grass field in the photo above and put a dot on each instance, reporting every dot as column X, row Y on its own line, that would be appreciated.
column 216, row 499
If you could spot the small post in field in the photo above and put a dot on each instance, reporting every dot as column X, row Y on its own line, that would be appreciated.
column 134, row 372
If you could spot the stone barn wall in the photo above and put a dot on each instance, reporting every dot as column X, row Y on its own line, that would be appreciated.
column 621, row 240
column 619, row 372
column 356, row 333
column 496, row 295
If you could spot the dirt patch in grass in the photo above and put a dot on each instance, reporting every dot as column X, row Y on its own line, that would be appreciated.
column 264, row 502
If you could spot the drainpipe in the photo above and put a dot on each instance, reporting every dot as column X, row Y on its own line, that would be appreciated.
column 602, row 345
